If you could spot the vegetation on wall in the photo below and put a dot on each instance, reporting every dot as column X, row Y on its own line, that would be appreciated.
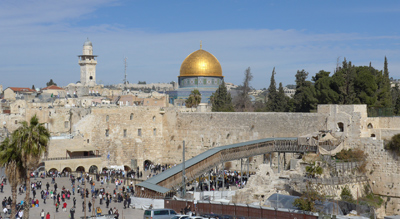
column 394, row 144
column 313, row 170
column 307, row 201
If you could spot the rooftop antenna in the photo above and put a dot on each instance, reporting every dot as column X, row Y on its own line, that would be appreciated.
column 201, row 45
column 125, row 64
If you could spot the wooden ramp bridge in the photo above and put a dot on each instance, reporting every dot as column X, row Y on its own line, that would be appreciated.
column 168, row 181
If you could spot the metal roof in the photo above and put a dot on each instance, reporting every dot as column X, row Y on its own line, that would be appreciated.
column 153, row 181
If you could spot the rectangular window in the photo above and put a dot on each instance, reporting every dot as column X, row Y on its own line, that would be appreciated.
column 139, row 132
column 66, row 124
column 16, row 121
column 124, row 133
column 107, row 132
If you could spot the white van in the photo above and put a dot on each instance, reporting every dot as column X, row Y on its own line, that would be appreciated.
column 159, row 213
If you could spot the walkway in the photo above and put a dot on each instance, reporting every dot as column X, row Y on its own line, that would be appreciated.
column 171, row 179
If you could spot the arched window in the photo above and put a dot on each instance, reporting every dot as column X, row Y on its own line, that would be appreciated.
column 154, row 132
column 340, row 127
column 154, row 118
column 370, row 126
column 373, row 136
column 131, row 117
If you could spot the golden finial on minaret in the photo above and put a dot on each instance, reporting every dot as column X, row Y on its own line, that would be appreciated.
column 201, row 46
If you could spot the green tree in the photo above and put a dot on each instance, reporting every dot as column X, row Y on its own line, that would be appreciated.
column 304, row 97
column 221, row 100
column 242, row 102
column 281, row 100
column 397, row 107
column 51, row 82
column 395, row 95
column 33, row 87
column 194, row 99
column 307, row 201
column 385, row 89
column 346, row 195
column 344, row 82
column 323, row 88
column 33, row 138
column 272, row 95
column 364, row 86
column 10, row 159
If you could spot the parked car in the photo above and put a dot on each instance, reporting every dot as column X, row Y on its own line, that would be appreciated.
column 159, row 213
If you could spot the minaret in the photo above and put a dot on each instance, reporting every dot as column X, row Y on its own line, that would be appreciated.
column 88, row 65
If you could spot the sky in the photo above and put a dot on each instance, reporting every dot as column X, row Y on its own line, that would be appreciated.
column 40, row 39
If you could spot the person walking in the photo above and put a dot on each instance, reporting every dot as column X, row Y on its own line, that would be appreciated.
column 42, row 214
column 57, row 205
column 48, row 215
column 90, row 206
column 74, row 201
column 72, row 213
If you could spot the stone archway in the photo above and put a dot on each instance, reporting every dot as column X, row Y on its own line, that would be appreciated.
column 146, row 164
column 127, row 168
column 53, row 170
column 67, row 169
column 80, row 169
column 93, row 169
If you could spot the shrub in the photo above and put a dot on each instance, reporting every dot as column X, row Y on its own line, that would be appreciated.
column 394, row 144
column 346, row 195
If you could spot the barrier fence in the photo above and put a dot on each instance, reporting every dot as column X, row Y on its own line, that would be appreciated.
column 238, row 210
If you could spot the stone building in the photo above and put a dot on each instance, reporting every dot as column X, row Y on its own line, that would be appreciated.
column 88, row 63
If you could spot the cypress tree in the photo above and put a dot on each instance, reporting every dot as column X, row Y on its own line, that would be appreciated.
column 282, row 100
column 272, row 94
column 221, row 100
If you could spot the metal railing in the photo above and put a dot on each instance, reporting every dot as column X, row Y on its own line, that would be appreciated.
column 69, row 158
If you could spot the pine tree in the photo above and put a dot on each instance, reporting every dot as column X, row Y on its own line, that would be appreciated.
column 51, row 82
column 304, row 97
column 272, row 94
column 221, row 100
column 281, row 100
column 33, row 87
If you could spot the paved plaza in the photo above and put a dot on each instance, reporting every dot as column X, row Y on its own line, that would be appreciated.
column 65, row 181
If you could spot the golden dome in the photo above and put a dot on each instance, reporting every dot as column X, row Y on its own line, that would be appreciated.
column 200, row 63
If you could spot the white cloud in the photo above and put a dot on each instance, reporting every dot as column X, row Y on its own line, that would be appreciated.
column 40, row 45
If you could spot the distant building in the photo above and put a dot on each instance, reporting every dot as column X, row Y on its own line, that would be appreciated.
column 13, row 93
column 289, row 92
column 54, row 90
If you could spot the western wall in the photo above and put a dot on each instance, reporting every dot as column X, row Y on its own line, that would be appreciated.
column 163, row 130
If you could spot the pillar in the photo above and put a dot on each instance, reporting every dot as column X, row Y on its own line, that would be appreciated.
column 279, row 162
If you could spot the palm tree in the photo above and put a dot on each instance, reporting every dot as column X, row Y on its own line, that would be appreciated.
column 33, row 138
column 10, row 159
column 194, row 99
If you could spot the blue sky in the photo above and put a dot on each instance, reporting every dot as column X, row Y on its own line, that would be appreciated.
column 41, row 39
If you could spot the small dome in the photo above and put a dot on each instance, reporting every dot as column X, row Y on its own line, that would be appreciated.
column 201, row 63
column 87, row 43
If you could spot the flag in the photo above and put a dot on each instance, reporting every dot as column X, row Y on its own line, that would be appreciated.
column 108, row 156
